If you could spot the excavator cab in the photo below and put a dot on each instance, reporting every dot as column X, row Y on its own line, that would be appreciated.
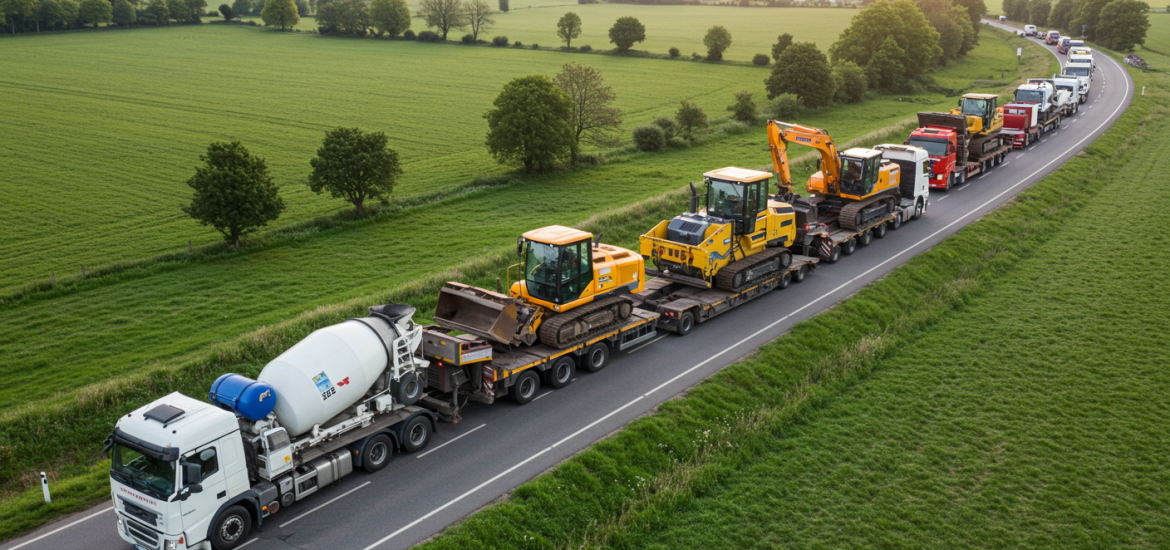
column 737, row 195
column 557, row 273
column 859, row 171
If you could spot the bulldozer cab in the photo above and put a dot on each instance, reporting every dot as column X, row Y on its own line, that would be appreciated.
column 737, row 195
column 859, row 171
column 980, row 107
column 557, row 272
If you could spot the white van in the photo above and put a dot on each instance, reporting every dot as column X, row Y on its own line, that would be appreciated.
column 1030, row 30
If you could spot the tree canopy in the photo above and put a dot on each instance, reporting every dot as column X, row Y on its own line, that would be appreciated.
column 389, row 16
column 95, row 11
column 478, row 15
column 718, row 39
column 348, row 17
column 594, row 122
column 568, row 28
column 782, row 43
column 906, row 45
column 355, row 166
column 1123, row 24
column 443, row 14
column 625, row 32
column 1038, row 12
column 123, row 13
column 802, row 70
column 280, row 13
column 690, row 118
column 530, row 123
column 233, row 191
column 1088, row 15
column 1062, row 14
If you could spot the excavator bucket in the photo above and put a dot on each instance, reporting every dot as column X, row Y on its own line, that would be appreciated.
column 477, row 311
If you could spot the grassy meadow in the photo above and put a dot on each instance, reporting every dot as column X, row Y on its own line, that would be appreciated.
column 1005, row 389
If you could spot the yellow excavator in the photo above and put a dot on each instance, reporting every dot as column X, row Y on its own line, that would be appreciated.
column 852, row 188
column 738, row 238
column 571, row 287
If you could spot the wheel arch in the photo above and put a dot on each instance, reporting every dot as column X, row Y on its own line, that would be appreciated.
column 248, row 500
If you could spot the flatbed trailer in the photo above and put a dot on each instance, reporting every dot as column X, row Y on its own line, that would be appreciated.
column 467, row 368
column 682, row 305
column 828, row 240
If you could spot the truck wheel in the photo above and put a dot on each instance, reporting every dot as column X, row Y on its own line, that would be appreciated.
column 848, row 247
column 880, row 231
column 834, row 255
column 866, row 238
column 408, row 389
column 784, row 281
column 896, row 223
column 686, row 322
column 918, row 209
column 524, row 390
column 416, row 434
column 799, row 274
column 595, row 357
column 950, row 182
column 231, row 528
column 561, row 372
column 377, row 453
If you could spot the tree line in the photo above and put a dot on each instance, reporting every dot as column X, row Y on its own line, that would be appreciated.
column 50, row 15
column 1116, row 24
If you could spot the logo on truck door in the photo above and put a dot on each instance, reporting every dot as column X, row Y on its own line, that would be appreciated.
column 324, row 386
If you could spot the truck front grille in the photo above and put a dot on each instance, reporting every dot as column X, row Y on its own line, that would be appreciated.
column 143, row 534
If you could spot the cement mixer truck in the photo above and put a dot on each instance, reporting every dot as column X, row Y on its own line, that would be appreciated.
column 189, row 474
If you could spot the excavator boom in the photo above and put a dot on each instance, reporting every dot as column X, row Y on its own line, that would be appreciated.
column 780, row 133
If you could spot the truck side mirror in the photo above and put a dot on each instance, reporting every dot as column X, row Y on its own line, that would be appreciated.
column 520, row 248
column 192, row 474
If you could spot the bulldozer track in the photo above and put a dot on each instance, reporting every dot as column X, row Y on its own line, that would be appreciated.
column 725, row 279
column 849, row 219
column 552, row 328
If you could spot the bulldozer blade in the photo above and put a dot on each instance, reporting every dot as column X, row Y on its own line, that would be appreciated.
column 484, row 313
column 958, row 123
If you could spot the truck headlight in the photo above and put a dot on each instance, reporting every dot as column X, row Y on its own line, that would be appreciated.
column 172, row 545
column 121, row 528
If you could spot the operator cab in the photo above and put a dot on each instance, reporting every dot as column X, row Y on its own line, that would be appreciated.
column 981, row 106
column 558, row 263
column 859, row 170
column 737, row 195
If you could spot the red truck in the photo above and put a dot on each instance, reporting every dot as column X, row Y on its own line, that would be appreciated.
column 1037, row 110
column 955, row 154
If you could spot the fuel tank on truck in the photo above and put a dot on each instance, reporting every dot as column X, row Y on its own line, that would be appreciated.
column 328, row 371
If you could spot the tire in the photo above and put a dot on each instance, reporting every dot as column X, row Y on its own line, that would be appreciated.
column 231, row 527
column 849, row 247
column 866, row 238
column 525, row 388
column 408, row 389
column 834, row 255
column 686, row 323
column 377, row 453
column 951, row 181
column 416, row 434
column 880, row 231
column 896, row 223
column 595, row 358
column 561, row 373
column 799, row 274
column 784, row 281
column 919, row 208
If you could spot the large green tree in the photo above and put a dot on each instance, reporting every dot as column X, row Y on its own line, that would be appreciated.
column 803, row 70
column 1123, row 24
column 976, row 9
column 1087, row 17
column 1038, row 12
column 124, row 14
column 782, row 43
column 625, row 32
column 347, row 17
column 156, row 12
column 69, row 11
column 49, row 14
column 594, row 122
column 915, row 43
column 568, row 28
column 942, row 17
column 196, row 9
column 95, row 12
column 17, row 10
column 531, row 123
column 355, row 166
column 233, row 191
column 1062, row 14
column 390, row 16
column 178, row 10
column 717, row 41
column 280, row 13
column 443, row 14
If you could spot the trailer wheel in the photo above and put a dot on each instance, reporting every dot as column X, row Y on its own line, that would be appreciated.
column 561, row 372
column 848, row 247
column 377, row 453
column 896, row 223
column 784, row 281
column 595, row 358
column 231, row 528
column 798, row 275
column 524, row 390
column 866, row 238
column 834, row 255
column 880, row 231
column 686, row 323
column 416, row 434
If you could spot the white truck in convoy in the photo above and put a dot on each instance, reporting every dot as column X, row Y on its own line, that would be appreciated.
column 187, row 474
column 1073, row 85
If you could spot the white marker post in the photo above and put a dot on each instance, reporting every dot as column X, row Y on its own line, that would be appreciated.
column 45, row 487
column 1019, row 55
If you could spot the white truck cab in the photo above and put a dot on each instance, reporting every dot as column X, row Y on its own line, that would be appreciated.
column 1082, row 54
column 1030, row 30
column 913, row 175
column 1081, row 68
column 1072, row 85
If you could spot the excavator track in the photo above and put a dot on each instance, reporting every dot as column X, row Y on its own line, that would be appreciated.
column 978, row 143
column 856, row 215
column 561, row 330
column 743, row 273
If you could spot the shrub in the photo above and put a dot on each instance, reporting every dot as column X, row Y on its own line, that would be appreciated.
column 535, row 46
column 744, row 109
column 409, row 34
column 696, row 57
column 690, row 118
column 787, row 106
column 586, row 48
column 850, row 82
column 677, row 143
column 467, row 39
column 429, row 36
column 649, row 138
column 761, row 60
column 518, row 44
column 500, row 41
column 674, row 53
column 669, row 127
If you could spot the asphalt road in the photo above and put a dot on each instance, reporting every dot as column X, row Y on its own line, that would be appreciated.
column 496, row 448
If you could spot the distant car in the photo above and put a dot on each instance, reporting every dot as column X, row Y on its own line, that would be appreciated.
column 1063, row 46
column 1003, row 18
column 1030, row 30
column 1053, row 38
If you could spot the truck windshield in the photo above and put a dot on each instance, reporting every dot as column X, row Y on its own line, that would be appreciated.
column 1029, row 96
column 145, row 473
column 934, row 147
column 725, row 200
column 1079, row 71
column 541, row 269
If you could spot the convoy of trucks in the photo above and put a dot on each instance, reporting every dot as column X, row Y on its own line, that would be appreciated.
column 189, row 474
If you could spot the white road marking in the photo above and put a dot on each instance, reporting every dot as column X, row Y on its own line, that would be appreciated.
column 943, row 199
column 541, row 395
column 59, row 529
column 335, row 499
column 646, row 344
column 520, row 464
column 247, row 543
column 456, row 438
column 1006, row 162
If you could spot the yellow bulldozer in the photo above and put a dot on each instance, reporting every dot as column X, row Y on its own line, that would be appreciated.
column 983, row 117
column 570, row 287
column 737, row 238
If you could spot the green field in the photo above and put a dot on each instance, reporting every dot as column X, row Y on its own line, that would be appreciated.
column 1006, row 389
